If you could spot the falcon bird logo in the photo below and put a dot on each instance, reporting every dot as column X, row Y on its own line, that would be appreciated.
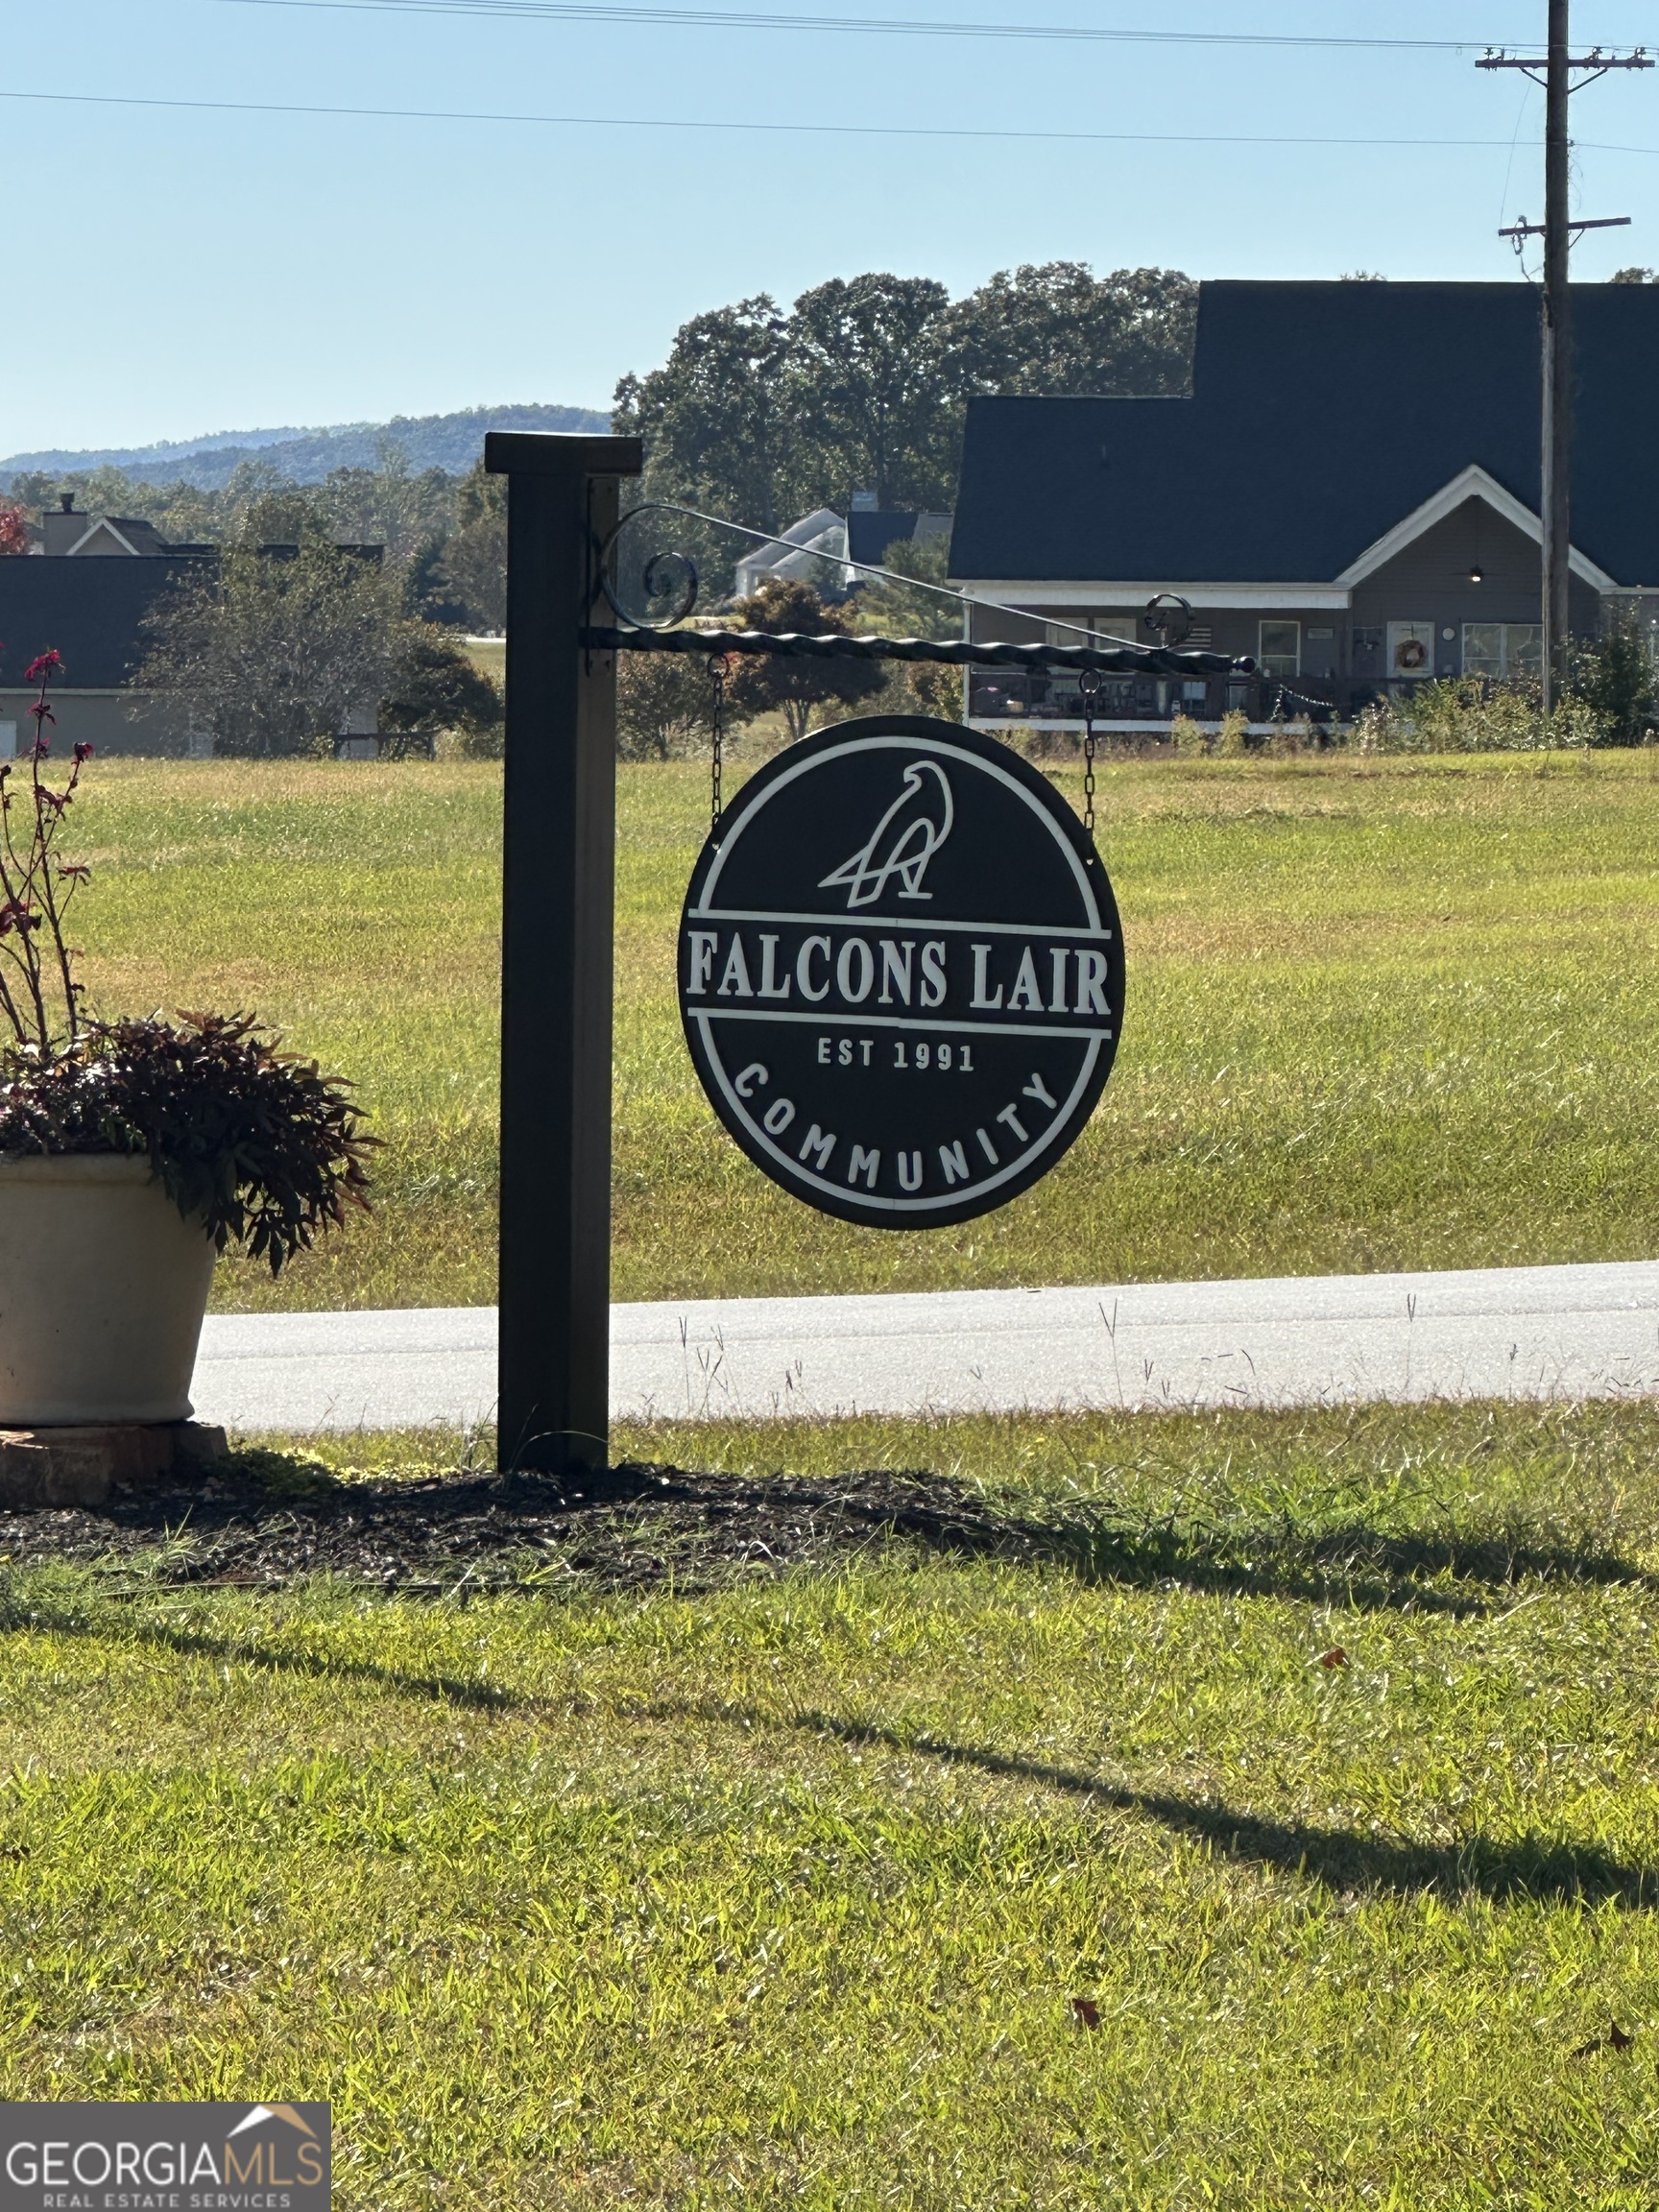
column 902, row 842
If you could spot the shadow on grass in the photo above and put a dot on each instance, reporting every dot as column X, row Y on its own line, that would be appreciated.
column 1540, row 1869
column 1350, row 1564
column 39, row 1613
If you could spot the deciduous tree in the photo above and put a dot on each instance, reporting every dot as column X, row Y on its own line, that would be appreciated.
column 471, row 571
column 717, row 417
column 798, row 688
column 437, row 688
column 665, row 704
column 274, row 653
column 1059, row 329
column 875, row 391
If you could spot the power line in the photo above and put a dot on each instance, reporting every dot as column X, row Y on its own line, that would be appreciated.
column 711, row 18
column 1279, row 139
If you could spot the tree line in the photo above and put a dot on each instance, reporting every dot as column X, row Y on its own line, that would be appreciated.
column 445, row 534
column 758, row 416
column 762, row 416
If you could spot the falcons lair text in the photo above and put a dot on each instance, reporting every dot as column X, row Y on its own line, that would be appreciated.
column 850, row 971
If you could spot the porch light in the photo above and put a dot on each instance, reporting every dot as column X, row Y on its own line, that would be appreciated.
column 1477, row 574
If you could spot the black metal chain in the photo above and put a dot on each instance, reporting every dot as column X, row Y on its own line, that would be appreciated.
column 718, row 666
column 1088, row 684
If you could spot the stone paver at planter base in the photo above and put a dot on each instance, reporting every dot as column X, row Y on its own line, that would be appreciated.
column 1484, row 1332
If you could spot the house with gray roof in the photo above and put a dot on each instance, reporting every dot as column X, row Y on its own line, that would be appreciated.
column 1349, row 496
column 85, row 588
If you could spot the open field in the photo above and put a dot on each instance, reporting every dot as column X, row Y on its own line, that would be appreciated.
column 1382, row 1014
column 781, row 1891
column 491, row 655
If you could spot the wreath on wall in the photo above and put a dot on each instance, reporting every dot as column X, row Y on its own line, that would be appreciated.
column 1413, row 652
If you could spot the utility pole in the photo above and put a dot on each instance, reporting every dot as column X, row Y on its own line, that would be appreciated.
column 1558, row 231
column 1558, row 363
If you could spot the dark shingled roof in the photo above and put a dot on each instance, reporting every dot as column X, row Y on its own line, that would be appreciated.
column 871, row 530
column 91, row 610
column 1321, row 416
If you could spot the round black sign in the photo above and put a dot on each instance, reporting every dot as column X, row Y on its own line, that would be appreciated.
column 900, row 972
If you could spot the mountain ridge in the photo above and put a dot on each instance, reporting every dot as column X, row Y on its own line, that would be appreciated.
column 451, row 442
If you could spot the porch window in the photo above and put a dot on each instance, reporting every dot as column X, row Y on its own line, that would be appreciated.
column 1278, row 649
column 1503, row 651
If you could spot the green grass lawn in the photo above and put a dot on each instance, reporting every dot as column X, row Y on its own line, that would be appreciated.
column 781, row 1893
column 929, row 1883
column 1382, row 1014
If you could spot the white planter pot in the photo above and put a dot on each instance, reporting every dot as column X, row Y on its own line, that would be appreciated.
column 102, row 1287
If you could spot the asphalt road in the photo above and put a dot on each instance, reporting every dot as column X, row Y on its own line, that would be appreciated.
column 1516, row 1332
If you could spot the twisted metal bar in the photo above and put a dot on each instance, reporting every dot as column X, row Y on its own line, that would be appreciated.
column 950, row 652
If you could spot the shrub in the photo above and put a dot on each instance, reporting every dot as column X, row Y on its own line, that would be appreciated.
column 1187, row 738
column 1615, row 679
column 437, row 687
column 1295, row 736
column 1233, row 736
column 935, row 688
column 261, row 1147
column 1465, row 715
column 665, row 704
column 1371, row 728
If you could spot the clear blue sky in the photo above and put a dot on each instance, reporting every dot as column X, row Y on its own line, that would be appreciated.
column 176, row 271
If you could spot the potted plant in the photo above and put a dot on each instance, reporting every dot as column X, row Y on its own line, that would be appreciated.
column 131, row 1151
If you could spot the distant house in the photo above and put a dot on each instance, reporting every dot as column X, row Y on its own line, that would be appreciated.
column 1350, row 497
column 871, row 529
column 68, row 532
column 820, row 548
column 811, row 551
column 85, row 588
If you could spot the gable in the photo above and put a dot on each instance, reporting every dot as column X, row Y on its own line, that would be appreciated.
column 1470, row 494
column 104, row 537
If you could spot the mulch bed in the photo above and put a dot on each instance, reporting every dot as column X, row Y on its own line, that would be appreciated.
column 252, row 1524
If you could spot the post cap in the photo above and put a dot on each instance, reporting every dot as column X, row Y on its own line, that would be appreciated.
column 560, row 453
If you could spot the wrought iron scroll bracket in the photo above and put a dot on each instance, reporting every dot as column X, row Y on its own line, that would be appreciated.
column 1169, row 619
column 658, row 575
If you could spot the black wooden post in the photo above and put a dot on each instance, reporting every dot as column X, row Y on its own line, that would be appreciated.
column 557, row 920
